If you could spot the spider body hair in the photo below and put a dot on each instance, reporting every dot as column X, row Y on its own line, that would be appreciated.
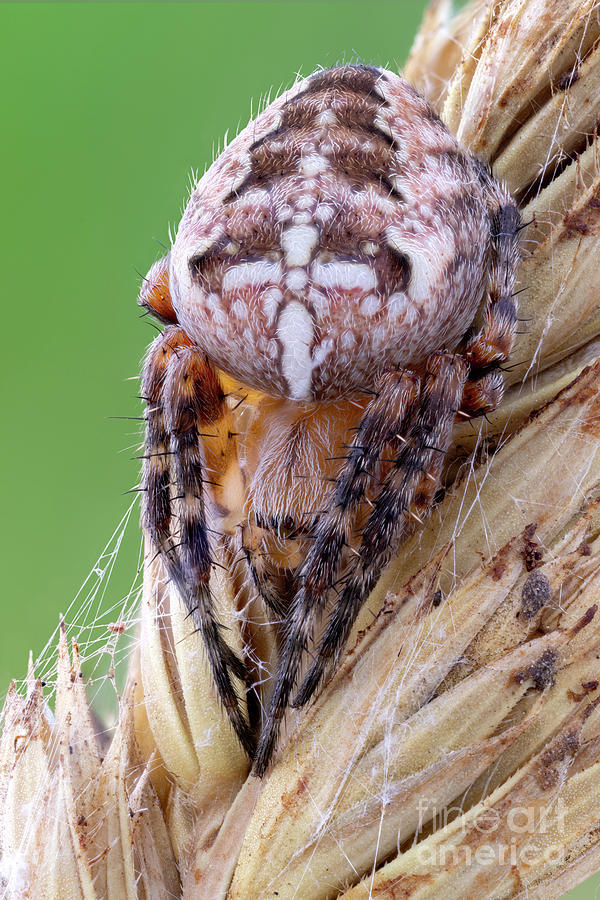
column 340, row 289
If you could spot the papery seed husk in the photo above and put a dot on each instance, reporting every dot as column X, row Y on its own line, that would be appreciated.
column 562, row 284
column 438, row 46
column 421, row 872
column 317, row 764
column 530, row 44
column 557, row 131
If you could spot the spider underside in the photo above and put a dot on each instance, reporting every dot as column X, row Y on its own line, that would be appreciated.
column 354, row 268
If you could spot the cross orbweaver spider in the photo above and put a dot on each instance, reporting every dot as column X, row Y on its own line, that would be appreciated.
column 350, row 265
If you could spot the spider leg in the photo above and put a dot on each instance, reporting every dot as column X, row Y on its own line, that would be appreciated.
column 381, row 425
column 184, row 397
column 493, row 343
column 261, row 574
column 156, row 467
column 155, row 295
column 482, row 394
column 491, row 346
column 406, row 489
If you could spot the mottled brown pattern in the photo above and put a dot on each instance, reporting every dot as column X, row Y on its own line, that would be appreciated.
column 541, row 672
column 345, row 155
column 534, row 594
column 549, row 771
column 357, row 79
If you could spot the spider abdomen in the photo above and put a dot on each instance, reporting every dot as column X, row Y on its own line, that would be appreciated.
column 342, row 233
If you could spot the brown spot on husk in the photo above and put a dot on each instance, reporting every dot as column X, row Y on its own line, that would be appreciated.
column 583, row 221
column 541, row 672
column 499, row 569
column 585, row 619
column 567, row 79
column 588, row 688
column 535, row 594
column 403, row 887
column 547, row 773
column 532, row 553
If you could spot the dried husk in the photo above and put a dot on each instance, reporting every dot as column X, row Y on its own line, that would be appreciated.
column 76, row 824
column 400, row 745
column 468, row 695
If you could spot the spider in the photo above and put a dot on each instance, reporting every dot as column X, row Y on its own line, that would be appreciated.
column 351, row 268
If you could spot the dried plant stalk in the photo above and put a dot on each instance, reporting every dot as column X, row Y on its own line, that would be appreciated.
column 456, row 752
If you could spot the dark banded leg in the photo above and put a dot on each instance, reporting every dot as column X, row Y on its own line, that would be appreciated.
column 491, row 346
column 263, row 578
column 184, row 398
column 156, row 467
column 381, row 427
column 406, row 489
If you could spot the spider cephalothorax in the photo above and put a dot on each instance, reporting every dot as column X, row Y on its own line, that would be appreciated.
column 353, row 267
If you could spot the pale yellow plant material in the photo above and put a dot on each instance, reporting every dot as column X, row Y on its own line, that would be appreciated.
column 456, row 751
column 75, row 824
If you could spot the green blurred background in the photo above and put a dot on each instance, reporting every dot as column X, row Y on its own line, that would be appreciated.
column 106, row 109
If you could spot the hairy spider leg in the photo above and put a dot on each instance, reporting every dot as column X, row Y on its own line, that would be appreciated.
column 261, row 574
column 491, row 346
column 381, row 426
column 184, row 397
column 408, row 487
column 155, row 295
column 156, row 467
